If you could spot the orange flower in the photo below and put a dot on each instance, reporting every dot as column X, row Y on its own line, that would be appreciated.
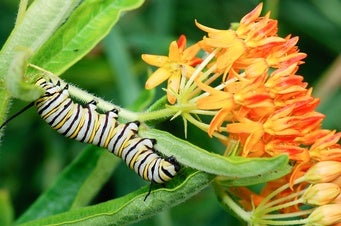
column 326, row 147
column 248, row 86
column 217, row 100
column 179, row 62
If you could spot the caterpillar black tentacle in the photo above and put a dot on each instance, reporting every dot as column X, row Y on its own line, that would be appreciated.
column 85, row 124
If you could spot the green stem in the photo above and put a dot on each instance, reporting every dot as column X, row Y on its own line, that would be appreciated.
column 266, row 200
column 124, row 113
column 203, row 126
column 282, row 206
column 21, row 11
column 103, row 105
column 288, row 215
column 292, row 196
column 153, row 115
column 228, row 202
column 284, row 222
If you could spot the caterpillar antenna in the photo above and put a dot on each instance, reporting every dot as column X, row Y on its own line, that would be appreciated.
column 16, row 114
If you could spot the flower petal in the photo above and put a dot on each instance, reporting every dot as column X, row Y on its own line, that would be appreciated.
column 173, row 87
column 174, row 52
column 157, row 77
column 155, row 60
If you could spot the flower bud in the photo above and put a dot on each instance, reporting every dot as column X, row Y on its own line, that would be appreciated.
column 321, row 194
column 324, row 171
column 337, row 181
column 325, row 215
column 337, row 199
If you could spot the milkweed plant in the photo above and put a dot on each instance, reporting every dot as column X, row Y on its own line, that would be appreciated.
column 238, row 86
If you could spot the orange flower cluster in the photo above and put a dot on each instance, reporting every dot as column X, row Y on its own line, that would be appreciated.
column 257, row 97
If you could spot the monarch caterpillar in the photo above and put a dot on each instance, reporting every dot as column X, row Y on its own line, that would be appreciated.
column 86, row 125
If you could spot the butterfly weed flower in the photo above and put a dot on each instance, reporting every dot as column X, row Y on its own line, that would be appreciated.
column 179, row 62
column 246, row 80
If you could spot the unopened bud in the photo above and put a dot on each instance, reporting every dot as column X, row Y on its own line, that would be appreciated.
column 325, row 215
column 337, row 181
column 321, row 194
column 324, row 171
column 337, row 199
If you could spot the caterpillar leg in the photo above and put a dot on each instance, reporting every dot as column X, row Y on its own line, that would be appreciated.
column 149, row 191
column 113, row 113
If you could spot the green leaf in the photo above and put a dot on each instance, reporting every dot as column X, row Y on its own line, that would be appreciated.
column 88, row 24
column 16, row 84
column 331, row 108
column 144, row 100
column 257, row 179
column 75, row 186
column 6, row 209
column 159, row 104
column 36, row 26
column 197, row 158
column 100, row 173
column 4, row 100
column 117, row 51
column 132, row 207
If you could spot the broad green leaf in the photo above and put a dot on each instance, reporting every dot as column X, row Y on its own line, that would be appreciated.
column 6, row 209
column 197, row 158
column 88, row 24
column 76, row 185
column 132, row 207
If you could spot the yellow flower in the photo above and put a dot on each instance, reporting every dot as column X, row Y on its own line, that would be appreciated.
column 178, row 63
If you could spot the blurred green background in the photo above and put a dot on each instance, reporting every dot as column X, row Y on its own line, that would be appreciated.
column 32, row 154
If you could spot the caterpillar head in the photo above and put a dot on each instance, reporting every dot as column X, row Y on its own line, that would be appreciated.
column 174, row 163
column 170, row 167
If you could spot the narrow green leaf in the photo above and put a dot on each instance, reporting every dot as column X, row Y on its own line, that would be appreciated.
column 4, row 100
column 143, row 101
column 197, row 158
column 257, row 179
column 6, row 209
column 116, row 49
column 70, row 188
column 99, row 175
column 132, row 207
column 88, row 24
column 159, row 104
